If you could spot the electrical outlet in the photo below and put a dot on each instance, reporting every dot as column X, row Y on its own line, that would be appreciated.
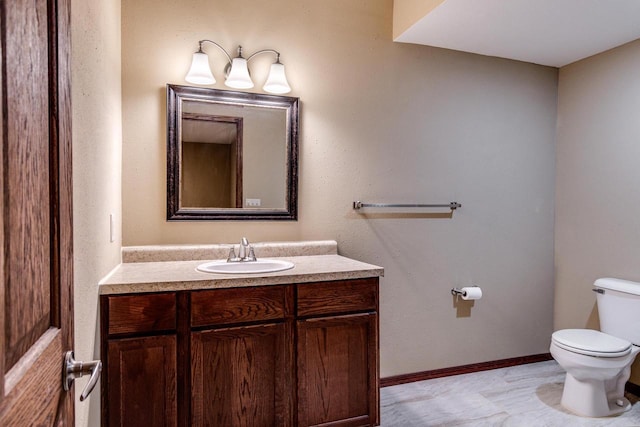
column 253, row 203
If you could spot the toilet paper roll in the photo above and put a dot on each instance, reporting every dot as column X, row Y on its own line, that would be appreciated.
column 471, row 293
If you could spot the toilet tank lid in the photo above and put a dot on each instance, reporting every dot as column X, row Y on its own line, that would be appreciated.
column 619, row 285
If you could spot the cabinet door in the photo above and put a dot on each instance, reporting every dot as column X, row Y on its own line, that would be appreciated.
column 338, row 371
column 142, row 381
column 242, row 376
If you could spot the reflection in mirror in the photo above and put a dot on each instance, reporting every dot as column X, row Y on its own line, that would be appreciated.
column 211, row 152
column 231, row 155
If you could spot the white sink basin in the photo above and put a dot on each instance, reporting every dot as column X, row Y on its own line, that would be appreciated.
column 251, row 267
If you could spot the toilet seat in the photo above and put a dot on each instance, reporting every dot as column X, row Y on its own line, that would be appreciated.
column 591, row 343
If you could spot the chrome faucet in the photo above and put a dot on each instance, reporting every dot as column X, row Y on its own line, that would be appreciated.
column 245, row 252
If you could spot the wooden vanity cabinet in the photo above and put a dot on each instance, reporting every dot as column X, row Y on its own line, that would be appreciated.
column 280, row 355
column 337, row 353
column 242, row 357
column 139, row 348
column 143, row 389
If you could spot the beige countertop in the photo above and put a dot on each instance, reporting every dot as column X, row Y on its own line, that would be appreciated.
column 138, row 277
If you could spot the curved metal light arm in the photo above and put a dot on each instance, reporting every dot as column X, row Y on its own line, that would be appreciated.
column 216, row 45
column 265, row 51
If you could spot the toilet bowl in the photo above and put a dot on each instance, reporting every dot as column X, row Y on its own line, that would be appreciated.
column 598, row 366
column 598, row 363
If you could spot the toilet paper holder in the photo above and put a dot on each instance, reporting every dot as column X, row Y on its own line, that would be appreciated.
column 467, row 293
column 458, row 292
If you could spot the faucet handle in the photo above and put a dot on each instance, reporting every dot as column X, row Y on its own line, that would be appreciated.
column 252, row 255
column 232, row 255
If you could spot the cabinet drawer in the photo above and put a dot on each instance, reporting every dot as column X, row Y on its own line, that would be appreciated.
column 142, row 313
column 337, row 297
column 237, row 305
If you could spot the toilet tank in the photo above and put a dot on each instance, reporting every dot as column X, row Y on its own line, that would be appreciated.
column 619, row 308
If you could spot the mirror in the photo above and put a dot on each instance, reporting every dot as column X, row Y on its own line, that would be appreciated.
column 231, row 155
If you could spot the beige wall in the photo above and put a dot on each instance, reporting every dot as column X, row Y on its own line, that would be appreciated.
column 380, row 122
column 97, row 141
column 598, row 207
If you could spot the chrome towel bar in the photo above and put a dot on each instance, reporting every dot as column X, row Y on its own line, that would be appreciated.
column 357, row 205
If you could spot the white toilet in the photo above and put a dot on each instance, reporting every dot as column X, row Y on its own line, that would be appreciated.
column 598, row 364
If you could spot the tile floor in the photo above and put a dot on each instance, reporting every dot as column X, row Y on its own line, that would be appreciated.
column 519, row 396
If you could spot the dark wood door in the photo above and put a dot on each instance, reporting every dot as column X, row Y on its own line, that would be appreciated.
column 337, row 371
column 241, row 376
column 142, row 381
column 36, row 277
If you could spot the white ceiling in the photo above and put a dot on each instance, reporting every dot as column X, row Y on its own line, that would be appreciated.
column 546, row 32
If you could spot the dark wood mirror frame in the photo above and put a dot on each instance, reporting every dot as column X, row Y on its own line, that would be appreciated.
column 176, row 95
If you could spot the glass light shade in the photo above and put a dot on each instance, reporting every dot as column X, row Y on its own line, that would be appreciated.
column 200, row 73
column 238, row 77
column 277, row 80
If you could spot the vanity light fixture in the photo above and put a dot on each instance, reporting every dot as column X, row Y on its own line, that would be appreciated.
column 237, row 70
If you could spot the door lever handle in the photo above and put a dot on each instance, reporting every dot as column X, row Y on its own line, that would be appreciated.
column 73, row 369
